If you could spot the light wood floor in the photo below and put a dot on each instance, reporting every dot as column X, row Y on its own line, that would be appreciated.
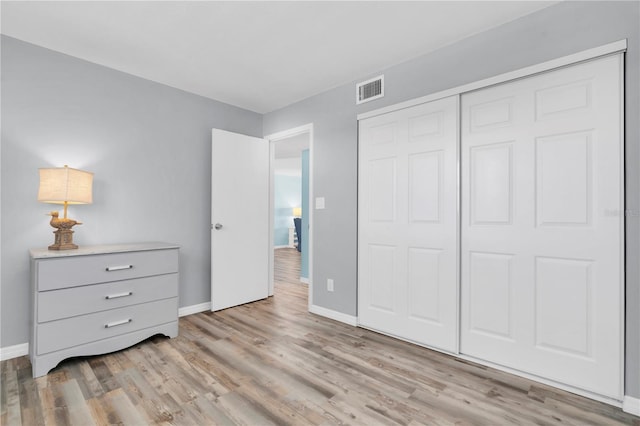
column 271, row 362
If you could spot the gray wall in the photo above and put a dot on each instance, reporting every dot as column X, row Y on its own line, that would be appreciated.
column 149, row 146
column 553, row 32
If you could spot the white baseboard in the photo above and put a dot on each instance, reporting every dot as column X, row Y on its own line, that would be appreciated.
column 194, row 309
column 14, row 351
column 286, row 246
column 304, row 280
column 334, row 315
column 631, row 405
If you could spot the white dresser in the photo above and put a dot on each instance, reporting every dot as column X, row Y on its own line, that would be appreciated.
column 99, row 299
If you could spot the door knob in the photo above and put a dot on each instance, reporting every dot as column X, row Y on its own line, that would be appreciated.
column 218, row 226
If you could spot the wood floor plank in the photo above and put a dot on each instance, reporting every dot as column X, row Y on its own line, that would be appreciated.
column 88, row 378
column 210, row 411
column 77, row 409
column 101, row 413
column 125, row 410
column 11, row 413
column 272, row 362
column 242, row 412
column 57, row 404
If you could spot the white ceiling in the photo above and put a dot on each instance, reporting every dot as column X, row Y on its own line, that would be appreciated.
column 262, row 55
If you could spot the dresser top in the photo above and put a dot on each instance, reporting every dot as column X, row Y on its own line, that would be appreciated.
column 43, row 253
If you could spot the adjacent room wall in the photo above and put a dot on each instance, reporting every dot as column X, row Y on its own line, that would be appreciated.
column 304, row 260
column 286, row 196
column 149, row 146
column 557, row 31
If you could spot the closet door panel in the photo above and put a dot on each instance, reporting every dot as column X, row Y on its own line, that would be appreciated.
column 542, row 225
column 407, row 224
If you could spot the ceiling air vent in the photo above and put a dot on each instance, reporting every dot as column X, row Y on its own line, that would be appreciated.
column 370, row 89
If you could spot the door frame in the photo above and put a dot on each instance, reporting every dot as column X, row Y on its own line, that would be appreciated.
column 272, row 138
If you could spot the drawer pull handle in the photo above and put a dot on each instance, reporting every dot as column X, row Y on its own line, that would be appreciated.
column 117, row 323
column 118, row 268
column 115, row 296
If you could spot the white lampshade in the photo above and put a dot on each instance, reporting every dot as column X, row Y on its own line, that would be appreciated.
column 64, row 184
column 297, row 212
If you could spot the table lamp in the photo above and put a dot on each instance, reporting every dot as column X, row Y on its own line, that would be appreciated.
column 64, row 185
column 297, row 212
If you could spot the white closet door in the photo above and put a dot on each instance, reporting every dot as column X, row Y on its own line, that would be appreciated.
column 407, row 254
column 542, row 225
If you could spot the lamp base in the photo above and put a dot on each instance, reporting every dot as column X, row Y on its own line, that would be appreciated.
column 63, row 240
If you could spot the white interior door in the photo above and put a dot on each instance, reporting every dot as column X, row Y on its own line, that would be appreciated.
column 407, row 223
column 239, row 218
column 542, row 225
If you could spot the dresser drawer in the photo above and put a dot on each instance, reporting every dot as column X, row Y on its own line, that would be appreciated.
column 82, row 270
column 71, row 302
column 66, row 333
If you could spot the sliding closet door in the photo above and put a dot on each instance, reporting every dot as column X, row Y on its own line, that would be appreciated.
column 542, row 225
column 407, row 224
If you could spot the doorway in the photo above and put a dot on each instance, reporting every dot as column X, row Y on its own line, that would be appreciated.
column 290, row 234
